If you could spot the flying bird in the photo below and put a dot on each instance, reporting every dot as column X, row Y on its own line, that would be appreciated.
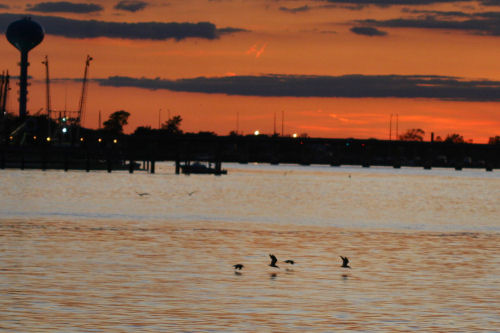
column 238, row 266
column 345, row 262
column 141, row 194
column 273, row 261
column 291, row 262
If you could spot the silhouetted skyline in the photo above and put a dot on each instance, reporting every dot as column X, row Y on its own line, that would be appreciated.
column 337, row 68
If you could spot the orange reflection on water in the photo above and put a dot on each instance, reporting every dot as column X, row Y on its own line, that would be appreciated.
column 117, row 276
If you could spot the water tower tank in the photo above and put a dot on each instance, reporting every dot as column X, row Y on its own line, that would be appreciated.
column 24, row 34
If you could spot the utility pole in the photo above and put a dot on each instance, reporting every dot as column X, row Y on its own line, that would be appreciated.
column 159, row 118
column 397, row 126
column 237, row 122
column 274, row 128
column 390, row 128
column 282, row 122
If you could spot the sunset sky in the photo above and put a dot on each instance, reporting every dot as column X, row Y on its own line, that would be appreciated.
column 334, row 68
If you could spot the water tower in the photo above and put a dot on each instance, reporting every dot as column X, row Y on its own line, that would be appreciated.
column 24, row 34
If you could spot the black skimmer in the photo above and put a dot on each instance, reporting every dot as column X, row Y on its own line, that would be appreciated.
column 345, row 262
column 273, row 261
column 238, row 266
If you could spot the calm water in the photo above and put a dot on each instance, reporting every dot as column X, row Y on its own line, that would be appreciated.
column 86, row 253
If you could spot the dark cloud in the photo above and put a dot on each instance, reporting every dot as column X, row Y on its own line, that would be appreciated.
column 352, row 86
column 449, row 14
column 64, row 7
column 368, row 31
column 490, row 2
column 385, row 3
column 70, row 28
column 486, row 23
column 131, row 5
column 296, row 9
column 2, row 6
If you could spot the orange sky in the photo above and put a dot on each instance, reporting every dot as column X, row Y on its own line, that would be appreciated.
column 314, row 41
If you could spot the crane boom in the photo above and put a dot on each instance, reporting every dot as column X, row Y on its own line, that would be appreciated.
column 84, row 92
column 47, row 84
column 47, row 92
column 3, row 93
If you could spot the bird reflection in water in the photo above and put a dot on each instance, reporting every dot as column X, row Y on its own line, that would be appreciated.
column 273, row 276
column 237, row 273
column 345, row 277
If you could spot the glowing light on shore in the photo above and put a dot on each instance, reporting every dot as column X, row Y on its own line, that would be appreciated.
column 257, row 132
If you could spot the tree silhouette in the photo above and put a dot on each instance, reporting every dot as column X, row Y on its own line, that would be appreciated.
column 414, row 134
column 454, row 138
column 116, row 121
column 494, row 140
column 172, row 125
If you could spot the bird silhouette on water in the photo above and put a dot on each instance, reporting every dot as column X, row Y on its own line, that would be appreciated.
column 273, row 261
column 238, row 266
column 291, row 262
column 142, row 194
column 345, row 262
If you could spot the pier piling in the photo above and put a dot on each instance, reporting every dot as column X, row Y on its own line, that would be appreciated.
column 177, row 166
column 152, row 166
column 131, row 166
column 87, row 163
column 66, row 162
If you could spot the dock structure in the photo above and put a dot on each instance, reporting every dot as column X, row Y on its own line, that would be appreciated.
column 65, row 158
column 189, row 153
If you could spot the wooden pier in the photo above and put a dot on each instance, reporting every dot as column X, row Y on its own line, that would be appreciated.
column 134, row 153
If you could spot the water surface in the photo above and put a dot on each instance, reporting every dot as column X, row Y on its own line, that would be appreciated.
column 86, row 253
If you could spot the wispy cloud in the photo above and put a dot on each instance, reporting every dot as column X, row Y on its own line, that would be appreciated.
column 257, row 49
column 295, row 10
column 71, row 28
column 368, row 31
column 339, row 118
column 350, row 86
column 64, row 7
column 229, row 30
column 131, row 5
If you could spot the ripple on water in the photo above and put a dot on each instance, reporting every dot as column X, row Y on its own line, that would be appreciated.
column 166, row 277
